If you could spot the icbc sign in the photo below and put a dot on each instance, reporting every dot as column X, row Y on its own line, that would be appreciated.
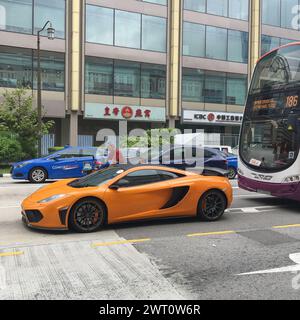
column 212, row 117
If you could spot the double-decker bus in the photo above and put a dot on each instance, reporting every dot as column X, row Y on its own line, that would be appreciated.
column 270, row 136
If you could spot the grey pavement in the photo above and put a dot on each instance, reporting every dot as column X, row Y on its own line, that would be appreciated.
column 167, row 259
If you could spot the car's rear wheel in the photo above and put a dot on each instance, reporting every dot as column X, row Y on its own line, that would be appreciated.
column 232, row 173
column 87, row 215
column 212, row 205
column 37, row 175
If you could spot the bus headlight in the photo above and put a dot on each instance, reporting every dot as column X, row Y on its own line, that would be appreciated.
column 292, row 179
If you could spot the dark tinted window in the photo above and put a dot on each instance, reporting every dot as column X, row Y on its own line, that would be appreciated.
column 166, row 175
column 208, row 154
column 142, row 177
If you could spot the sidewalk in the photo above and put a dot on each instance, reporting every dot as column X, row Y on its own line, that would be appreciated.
column 5, row 175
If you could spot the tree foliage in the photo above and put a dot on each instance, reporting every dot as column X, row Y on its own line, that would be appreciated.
column 10, row 149
column 18, row 116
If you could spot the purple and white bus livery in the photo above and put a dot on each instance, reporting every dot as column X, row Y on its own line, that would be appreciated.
column 270, row 136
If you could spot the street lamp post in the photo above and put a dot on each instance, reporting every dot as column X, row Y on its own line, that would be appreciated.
column 51, row 36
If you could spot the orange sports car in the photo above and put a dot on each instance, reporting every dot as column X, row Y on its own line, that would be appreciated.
column 126, row 193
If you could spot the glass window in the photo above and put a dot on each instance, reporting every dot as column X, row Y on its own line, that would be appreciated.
column 162, row 2
column 127, row 79
column 99, row 25
column 216, row 43
column 142, row 177
column 238, row 9
column 16, row 15
column 193, row 39
column 154, row 35
column 166, row 175
column 99, row 76
column 236, row 89
column 287, row 14
column 271, row 12
column 192, row 85
column 215, row 87
column 286, row 41
column 195, row 5
column 218, row 7
column 269, row 43
column 53, row 71
column 238, row 46
column 54, row 11
column 15, row 67
column 127, row 29
column 153, row 81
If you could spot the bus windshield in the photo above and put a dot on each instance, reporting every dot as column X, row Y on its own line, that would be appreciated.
column 270, row 134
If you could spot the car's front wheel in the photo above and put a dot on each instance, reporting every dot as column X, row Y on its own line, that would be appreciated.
column 37, row 175
column 212, row 205
column 87, row 215
column 232, row 173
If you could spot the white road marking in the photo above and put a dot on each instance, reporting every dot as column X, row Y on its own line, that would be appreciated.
column 249, row 210
column 7, row 207
column 295, row 257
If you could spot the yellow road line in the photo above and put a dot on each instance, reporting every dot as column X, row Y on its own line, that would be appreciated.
column 106, row 244
column 287, row 226
column 210, row 233
column 10, row 254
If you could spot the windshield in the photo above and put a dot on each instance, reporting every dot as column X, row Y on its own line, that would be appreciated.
column 270, row 133
column 280, row 68
column 98, row 178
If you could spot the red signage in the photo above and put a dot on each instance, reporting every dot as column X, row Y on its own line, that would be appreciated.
column 127, row 112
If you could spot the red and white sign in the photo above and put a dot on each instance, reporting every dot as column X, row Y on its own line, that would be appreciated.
column 207, row 117
column 119, row 112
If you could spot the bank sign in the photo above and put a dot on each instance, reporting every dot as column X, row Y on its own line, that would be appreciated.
column 124, row 112
column 205, row 117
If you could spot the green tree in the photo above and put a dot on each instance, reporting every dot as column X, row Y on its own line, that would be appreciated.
column 10, row 149
column 18, row 116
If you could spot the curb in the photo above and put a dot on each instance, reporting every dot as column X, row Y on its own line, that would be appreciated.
column 5, row 175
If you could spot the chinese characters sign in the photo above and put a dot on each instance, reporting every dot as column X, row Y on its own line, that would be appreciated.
column 212, row 117
column 119, row 112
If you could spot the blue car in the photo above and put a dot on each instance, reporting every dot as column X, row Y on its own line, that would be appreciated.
column 71, row 162
column 175, row 158
column 232, row 165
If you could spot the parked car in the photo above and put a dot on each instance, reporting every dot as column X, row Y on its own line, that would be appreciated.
column 87, row 204
column 175, row 158
column 225, row 149
column 71, row 162
column 232, row 165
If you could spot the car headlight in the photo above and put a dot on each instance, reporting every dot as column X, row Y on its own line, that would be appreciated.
column 52, row 198
column 21, row 165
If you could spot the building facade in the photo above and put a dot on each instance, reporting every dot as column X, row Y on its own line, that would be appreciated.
column 154, row 63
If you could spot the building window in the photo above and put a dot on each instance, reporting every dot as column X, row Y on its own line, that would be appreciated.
column 195, row 5
column 162, row 2
column 269, row 43
column 98, row 18
column 213, row 87
column 127, row 29
column 54, row 11
column 193, row 85
column 193, row 39
column 271, row 12
column 236, row 89
column 16, row 16
column 153, row 81
column 218, row 7
column 15, row 68
column 216, row 43
column 99, row 76
column 239, row 9
column 237, row 46
column 53, row 71
column 127, row 79
column 154, row 35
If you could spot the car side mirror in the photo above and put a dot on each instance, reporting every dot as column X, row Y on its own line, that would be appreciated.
column 123, row 183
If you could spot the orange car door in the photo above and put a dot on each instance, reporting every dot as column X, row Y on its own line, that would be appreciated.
column 142, row 195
